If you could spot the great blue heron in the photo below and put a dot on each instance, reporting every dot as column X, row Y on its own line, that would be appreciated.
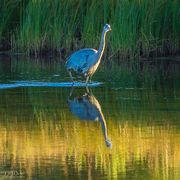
column 86, row 61
column 87, row 108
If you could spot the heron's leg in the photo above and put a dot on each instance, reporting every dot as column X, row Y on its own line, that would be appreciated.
column 70, row 74
column 87, row 89
column 90, row 79
column 71, row 92
column 87, row 79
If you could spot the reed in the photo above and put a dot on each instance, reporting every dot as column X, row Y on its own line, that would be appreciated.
column 9, row 19
column 140, row 27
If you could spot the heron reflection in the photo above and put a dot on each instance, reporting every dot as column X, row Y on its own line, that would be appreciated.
column 87, row 107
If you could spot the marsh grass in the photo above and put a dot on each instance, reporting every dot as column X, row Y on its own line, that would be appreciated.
column 8, row 20
column 140, row 27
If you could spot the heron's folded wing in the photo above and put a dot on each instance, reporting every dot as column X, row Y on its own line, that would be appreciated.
column 78, row 61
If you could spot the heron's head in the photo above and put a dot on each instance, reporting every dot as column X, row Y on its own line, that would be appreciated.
column 108, row 143
column 107, row 27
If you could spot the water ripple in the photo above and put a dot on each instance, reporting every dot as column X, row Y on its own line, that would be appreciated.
column 17, row 84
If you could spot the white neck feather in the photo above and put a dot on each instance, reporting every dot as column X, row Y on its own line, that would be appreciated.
column 102, row 45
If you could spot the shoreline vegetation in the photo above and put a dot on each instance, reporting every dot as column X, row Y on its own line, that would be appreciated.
column 140, row 28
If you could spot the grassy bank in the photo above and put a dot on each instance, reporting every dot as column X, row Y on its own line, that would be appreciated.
column 140, row 27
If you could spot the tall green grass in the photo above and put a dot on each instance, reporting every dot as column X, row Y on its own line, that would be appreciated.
column 139, row 27
column 8, row 19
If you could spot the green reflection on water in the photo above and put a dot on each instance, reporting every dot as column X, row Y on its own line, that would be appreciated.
column 41, row 137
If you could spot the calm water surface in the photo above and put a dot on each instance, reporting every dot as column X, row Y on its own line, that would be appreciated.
column 126, row 128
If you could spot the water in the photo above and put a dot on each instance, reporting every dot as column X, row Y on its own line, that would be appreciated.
column 125, row 127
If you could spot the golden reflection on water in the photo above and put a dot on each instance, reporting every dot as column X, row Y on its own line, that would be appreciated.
column 154, row 146
column 75, row 145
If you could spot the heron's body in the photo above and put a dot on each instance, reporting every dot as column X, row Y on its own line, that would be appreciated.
column 81, row 61
column 86, row 61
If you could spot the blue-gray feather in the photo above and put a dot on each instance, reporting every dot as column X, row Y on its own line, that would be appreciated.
column 84, row 109
column 79, row 61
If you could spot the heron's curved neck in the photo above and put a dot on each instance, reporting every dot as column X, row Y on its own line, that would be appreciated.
column 102, row 44
column 103, row 126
